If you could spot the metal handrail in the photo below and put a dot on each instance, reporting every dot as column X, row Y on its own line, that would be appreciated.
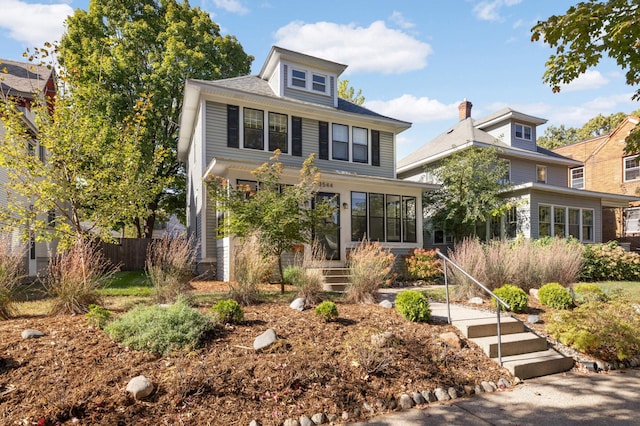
column 499, row 301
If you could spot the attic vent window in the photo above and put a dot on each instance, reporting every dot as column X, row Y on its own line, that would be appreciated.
column 299, row 78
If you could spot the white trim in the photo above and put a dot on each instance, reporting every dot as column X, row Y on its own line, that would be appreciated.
column 624, row 168
column 572, row 179
column 566, row 208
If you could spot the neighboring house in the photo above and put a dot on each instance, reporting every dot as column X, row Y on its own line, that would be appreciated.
column 607, row 168
column 230, row 127
column 23, row 81
column 546, row 204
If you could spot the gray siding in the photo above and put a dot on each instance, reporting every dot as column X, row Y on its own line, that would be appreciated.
column 216, row 146
column 210, row 232
column 305, row 95
column 525, row 171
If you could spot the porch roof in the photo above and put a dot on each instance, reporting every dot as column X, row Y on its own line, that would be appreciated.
column 606, row 199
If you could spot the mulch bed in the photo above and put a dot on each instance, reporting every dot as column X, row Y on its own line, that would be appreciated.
column 75, row 373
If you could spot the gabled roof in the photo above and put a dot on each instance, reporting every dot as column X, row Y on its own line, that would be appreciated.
column 23, row 79
column 467, row 133
column 507, row 114
column 278, row 54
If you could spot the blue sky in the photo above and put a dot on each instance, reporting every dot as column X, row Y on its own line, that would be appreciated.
column 414, row 60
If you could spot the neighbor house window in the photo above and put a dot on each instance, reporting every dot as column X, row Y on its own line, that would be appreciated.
column 358, row 215
column 587, row 225
column 511, row 223
column 253, row 128
column 544, row 221
column 360, row 145
column 340, row 139
column 632, row 221
column 561, row 221
column 541, row 174
column 577, row 177
column 319, row 83
column 523, row 132
column 278, row 132
column 631, row 168
column 574, row 222
column 299, row 78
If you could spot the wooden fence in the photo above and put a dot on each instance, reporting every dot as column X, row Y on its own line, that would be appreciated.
column 128, row 253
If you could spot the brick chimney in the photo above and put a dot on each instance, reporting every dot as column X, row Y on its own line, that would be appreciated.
column 464, row 110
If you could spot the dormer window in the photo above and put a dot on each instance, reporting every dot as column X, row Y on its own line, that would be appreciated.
column 319, row 83
column 299, row 78
column 523, row 132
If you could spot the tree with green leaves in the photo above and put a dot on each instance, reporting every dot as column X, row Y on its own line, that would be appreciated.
column 137, row 48
column 471, row 183
column 585, row 34
column 90, row 176
column 349, row 93
column 281, row 213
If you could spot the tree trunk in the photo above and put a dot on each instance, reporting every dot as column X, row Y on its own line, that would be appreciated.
column 150, row 220
column 281, row 274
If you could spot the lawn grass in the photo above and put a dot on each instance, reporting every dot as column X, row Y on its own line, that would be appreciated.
column 629, row 288
column 128, row 283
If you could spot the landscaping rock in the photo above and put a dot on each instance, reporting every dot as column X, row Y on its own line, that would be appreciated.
column 488, row 386
column 453, row 393
column 298, row 304
column 451, row 339
column 265, row 340
column 469, row 390
column 476, row 300
column 306, row 421
column 367, row 407
column 386, row 304
column 429, row 396
column 418, row 398
column 383, row 340
column 291, row 422
column 533, row 292
column 478, row 389
column 393, row 404
column 380, row 405
column 319, row 418
column 254, row 423
column 140, row 387
column 503, row 383
column 534, row 319
column 31, row 334
column 441, row 394
column 406, row 401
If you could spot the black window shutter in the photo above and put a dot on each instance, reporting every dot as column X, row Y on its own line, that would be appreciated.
column 233, row 126
column 323, row 137
column 296, row 136
column 375, row 148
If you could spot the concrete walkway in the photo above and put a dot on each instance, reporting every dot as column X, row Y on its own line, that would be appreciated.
column 570, row 398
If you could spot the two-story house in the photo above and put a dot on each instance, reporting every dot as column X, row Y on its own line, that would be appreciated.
column 229, row 127
column 22, row 81
column 607, row 168
column 546, row 205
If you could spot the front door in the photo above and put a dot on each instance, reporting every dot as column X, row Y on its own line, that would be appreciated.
column 327, row 232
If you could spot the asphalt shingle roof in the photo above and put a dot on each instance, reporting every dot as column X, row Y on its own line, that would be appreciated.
column 21, row 79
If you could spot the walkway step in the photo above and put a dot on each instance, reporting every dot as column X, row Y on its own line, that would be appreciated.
column 535, row 364
column 512, row 344
column 484, row 326
column 337, row 287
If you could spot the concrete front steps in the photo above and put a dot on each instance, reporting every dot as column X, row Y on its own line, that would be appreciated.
column 524, row 353
column 335, row 279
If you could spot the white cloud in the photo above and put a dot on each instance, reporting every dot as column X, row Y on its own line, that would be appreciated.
column 399, row 19
column 375, row 48
column 490, row 10
column 591, row 79
column 32, row 24
column 577, row 115
column 415, row 110
column 233, row 6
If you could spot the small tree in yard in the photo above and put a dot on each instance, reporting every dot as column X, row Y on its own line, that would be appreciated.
column 279, row 212
column 471, row 183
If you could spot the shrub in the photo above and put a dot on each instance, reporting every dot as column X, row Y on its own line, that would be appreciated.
column 608, row 331
column 514, row 296
column 97, row 316
column 228, row 311
column 293, row 274
column 169, row 264
column 252, row 268
column 423, row 264
column 75, row 275
column 327, row 310
column 370, row 267
column 555, row 296
column 586, row 292
column 609, row 261
column 308, row 282
column 159, row 329
column 413, row 305
column 11, row 258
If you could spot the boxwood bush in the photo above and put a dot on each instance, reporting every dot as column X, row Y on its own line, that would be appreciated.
column 587, row 292
column 514, row 296
column 555, row 296
column 227, row 311
column 413, row 305
column 327, row 310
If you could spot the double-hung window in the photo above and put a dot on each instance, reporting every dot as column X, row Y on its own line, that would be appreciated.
column 577, row 177
column 544, row 221
column 574, row 222
column 559, row 221
column 340, row 139
column 319, row 83
column 253, row 128
column 523, row 132
column 376, row 217
column 278, row 132
column 299, row 78
column 541, row 174
column 631, row 168
column 360, row 145
column 587, row 225
column 393, row 218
